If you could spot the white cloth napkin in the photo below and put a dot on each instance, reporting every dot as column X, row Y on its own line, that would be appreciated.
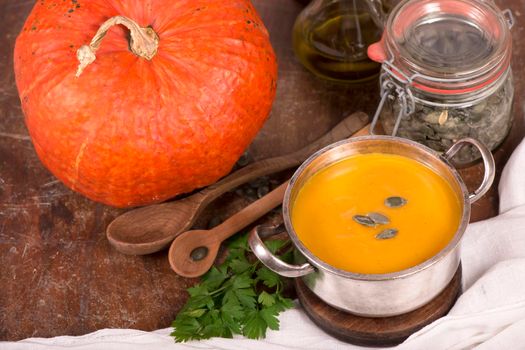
column 490, row 314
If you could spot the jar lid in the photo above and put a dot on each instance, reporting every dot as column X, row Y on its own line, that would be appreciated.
column 446, row 46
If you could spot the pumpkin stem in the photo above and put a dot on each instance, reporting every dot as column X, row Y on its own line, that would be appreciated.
column 144, row 41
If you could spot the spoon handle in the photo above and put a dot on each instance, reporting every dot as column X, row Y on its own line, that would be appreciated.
column 344, row 129
column 249, row 214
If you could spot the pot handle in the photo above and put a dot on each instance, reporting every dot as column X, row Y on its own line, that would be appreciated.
column 271, row 261
column 488, row 163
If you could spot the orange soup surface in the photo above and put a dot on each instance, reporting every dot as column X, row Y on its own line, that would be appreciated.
column 325, row 209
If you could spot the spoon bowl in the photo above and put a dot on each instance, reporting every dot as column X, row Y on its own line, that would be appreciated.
column 183, row 257
column 150, row 229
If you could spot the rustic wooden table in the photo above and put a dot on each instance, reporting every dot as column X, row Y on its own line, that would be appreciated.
column 59, row 275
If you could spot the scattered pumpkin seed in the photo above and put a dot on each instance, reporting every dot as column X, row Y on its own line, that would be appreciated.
column 277, row 210
column 215, row 221
column 244, row 160
column 261, row 181
column 379, row 218
column 443, row 117
column 387, row 233
column 250, row 193
column 364, row 220
column 263, row 191
column 395, row 202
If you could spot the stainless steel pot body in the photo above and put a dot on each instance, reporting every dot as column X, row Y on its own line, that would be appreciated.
column 376, row 295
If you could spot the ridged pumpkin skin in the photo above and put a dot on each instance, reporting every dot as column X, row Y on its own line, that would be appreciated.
column 130, row 131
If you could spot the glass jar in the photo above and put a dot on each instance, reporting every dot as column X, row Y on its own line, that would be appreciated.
column 331, row 37
column 446, row 73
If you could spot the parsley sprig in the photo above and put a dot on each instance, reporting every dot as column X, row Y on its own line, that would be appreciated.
column 237, row 297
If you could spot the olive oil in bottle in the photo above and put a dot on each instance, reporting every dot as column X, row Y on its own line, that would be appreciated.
column 331, row 38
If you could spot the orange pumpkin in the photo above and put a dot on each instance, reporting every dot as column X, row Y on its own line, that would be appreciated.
column 163, row 103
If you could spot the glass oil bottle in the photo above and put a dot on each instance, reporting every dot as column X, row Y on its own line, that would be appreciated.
column 331, row 38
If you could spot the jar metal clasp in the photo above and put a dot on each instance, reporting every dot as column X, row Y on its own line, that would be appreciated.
column 394, row 86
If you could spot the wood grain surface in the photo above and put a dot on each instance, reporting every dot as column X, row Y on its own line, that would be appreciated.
column 59, row 275
column 379, row 331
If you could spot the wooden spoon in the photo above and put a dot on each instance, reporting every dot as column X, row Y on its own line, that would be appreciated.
column 150, row 229
column 192, row 253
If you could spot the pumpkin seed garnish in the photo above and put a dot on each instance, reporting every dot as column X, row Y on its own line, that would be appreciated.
column 199, row 253
column 387, row 233
column 364, row 220
column 379, row 218
column 395, row 202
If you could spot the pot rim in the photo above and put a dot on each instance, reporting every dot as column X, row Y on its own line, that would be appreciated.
column 319, row 264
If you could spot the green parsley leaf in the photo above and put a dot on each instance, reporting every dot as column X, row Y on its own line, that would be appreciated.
column 198, row 302
column 240, row 266
column 198, row 290
column 266, row 299
column 214, row 278
column 242, row 281
column 214, row 326
column 231, row 315
column 269, row 315
column 246, row 297
column 268, row 277
column 286, row 303
column 234, row 311
column 255, row 326
column 230, row 297
column 288, row 256
column 185, row 328
column 195, row 313
column 238, row 242
column 275, row 244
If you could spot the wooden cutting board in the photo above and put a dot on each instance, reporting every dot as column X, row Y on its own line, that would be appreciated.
column 368, row 331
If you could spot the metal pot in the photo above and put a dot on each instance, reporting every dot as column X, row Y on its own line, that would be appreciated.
column 376, row 295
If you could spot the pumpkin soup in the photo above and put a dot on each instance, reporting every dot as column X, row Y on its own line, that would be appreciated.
column 376, row 213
